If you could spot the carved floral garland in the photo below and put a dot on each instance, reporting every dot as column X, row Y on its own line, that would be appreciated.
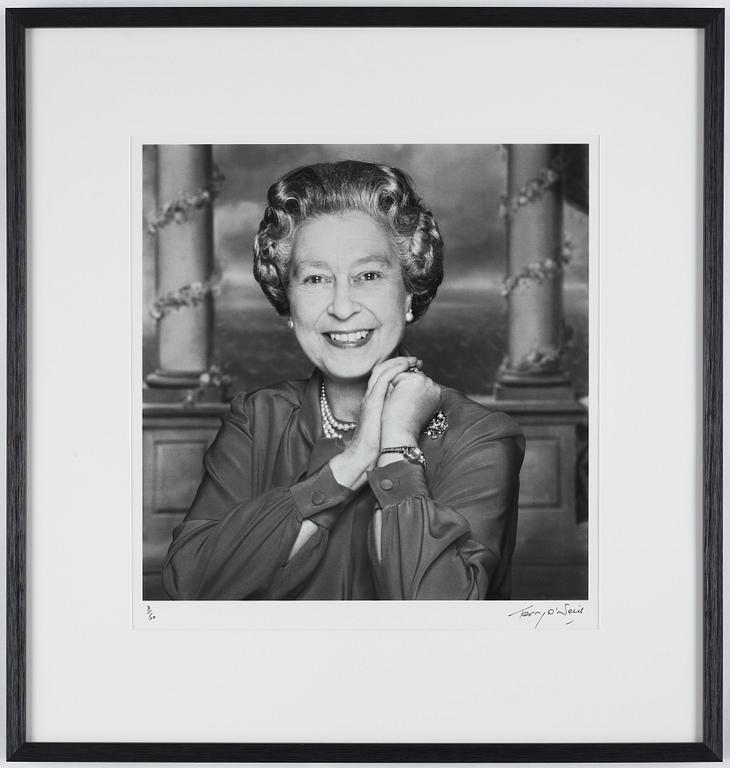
column 541, row 360
column 188, row 296
column 532, row 191
column 539, row 271
column 177, row 210
column 214, row 378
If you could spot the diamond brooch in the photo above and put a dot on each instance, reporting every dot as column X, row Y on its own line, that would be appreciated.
column 437, row 426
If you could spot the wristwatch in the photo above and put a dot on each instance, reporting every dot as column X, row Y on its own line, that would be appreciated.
column 410, row 452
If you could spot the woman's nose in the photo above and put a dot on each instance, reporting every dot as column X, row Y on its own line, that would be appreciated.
column 343, row 305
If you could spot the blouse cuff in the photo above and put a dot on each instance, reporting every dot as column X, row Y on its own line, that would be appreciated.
column 316, row 496
column 397, row 481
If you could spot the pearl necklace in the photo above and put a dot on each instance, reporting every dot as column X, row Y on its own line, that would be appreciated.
column 331, row 426
column 335, row 429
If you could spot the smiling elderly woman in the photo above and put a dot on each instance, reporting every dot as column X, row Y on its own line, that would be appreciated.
column 368, row 481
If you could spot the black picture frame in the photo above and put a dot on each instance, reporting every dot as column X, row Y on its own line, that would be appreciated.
column 711, row 22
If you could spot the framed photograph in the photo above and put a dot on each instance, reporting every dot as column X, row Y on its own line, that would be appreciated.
column 364, row 384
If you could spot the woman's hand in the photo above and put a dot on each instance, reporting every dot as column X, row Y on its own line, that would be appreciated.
column 410, row 403
column 350, row 466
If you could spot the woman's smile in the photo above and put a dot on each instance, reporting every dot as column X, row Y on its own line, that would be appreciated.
column 349, row 339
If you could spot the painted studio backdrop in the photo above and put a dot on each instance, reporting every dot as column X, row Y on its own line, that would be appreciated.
column 508, row 327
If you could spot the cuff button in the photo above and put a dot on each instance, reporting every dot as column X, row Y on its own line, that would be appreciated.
column 317, row 497
column 386, row 484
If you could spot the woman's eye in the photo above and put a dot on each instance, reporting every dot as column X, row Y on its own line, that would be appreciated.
column 368, row 276
column 313, row 279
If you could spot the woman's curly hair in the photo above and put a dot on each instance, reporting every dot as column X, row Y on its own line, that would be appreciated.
column 383, row 192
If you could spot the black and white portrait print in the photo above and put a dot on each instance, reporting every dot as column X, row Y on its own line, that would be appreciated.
column 365, row 372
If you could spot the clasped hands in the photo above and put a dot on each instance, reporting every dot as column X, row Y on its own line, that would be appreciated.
column 397, row 405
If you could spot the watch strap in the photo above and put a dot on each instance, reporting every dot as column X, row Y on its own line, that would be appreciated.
column 410, row 452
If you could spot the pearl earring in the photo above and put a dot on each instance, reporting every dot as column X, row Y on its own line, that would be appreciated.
column 409, row 316
column 290, row 322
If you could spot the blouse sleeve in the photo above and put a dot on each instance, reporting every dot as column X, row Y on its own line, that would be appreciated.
column 235, row 541
column 453, row 540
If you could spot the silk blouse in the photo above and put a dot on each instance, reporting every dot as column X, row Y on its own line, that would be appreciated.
column 448, row 530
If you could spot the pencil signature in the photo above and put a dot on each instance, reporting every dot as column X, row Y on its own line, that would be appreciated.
column 563, row 610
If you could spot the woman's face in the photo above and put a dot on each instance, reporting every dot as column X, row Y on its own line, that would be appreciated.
column 346, row 294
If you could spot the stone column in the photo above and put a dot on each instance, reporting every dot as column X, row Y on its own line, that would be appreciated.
column 532, row 369
column 184, row 259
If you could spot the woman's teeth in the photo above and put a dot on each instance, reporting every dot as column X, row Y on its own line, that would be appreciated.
column 345, row 338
